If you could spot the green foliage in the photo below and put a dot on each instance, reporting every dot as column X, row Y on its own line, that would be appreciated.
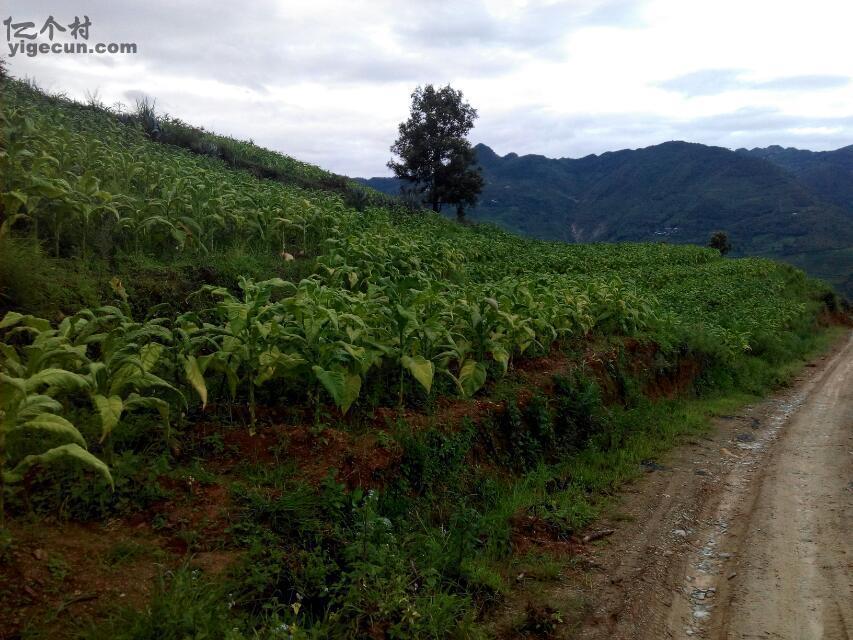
column 185, row 606
column 578, row 411
column 63, row 490
column 33, row 283
column 124, row 552
column 29, row 387
column 244, row 288
column 788, row 205
column 435, row 157
column 720, row 241
column 825, row 172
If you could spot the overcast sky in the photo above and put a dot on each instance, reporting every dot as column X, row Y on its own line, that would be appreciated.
column 327, row 81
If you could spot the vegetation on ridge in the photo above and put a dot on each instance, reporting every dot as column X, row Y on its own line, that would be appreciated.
column 678, row 192
column 215, row 337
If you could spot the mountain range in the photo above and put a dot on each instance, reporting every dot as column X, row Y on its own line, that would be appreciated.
column 784, row 203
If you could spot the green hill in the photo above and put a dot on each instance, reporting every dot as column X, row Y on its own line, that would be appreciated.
column 828, row 173
column 306, row 410
column 678, row 192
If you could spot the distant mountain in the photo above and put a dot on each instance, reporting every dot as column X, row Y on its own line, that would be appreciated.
column 827, row 173
column 779, row 204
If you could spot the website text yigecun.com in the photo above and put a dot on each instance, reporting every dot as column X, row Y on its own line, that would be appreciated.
column 22, row 36
column 32, row 49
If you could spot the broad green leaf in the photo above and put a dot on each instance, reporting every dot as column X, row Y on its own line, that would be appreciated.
column 238, row 316
column 45, row 188
column 274, row 282
column 98, row 374
column 10, row 319
column 110, row 411
column 352, row 387
column 501, row 356
column 422, row 369
column 19, row 384
column 13, row 317
column 333, row 381
column 51, row 423
column 135, row 401
column 472, row 376
column 58, row 378
column 274, row 362
column 150, row 354
column 343, row 386
column 73, row 451
column 34, row 405
column 128, row 374
column 407, row 315
column 14, row 200
column 10, row 357
column 195, row 377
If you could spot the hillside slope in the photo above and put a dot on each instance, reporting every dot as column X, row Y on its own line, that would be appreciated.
column 262, row 408
column 677, row 192
column 828, row 173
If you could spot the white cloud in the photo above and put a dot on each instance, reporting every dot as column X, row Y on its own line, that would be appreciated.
column 327, row 81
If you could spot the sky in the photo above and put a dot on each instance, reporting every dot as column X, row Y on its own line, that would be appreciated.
column 328, row 81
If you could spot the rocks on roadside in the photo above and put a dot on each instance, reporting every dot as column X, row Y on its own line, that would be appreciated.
column 597, row 535
column 651, row 465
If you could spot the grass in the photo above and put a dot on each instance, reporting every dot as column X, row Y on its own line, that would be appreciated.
column 184, row 605
column 125, row 552
column 34, row 283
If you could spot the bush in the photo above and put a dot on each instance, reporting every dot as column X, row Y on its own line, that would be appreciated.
column 578, row 411
column 31, row 282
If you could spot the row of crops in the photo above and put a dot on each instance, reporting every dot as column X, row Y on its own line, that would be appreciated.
column 412, row 303
column 321, row 338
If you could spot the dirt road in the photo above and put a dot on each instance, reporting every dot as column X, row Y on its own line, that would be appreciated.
column 745, row 535
column 796, row 546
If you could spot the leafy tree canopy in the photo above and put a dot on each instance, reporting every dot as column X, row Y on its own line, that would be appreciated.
column 436, row 159
column 720, row 242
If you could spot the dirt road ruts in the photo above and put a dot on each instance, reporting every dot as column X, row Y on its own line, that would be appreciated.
column 745, row 534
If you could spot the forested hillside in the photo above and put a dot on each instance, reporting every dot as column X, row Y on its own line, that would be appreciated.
column 828, row 173
column 790, row 205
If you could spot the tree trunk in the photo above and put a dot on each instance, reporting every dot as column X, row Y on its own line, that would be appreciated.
column 460, row 214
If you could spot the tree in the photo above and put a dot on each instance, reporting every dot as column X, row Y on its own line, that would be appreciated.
column 720, row 241
column 435, row 157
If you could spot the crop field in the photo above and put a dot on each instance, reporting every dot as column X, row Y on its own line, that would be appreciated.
column 356, row 406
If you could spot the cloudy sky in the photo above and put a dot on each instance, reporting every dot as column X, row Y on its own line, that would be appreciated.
column 328, row 81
